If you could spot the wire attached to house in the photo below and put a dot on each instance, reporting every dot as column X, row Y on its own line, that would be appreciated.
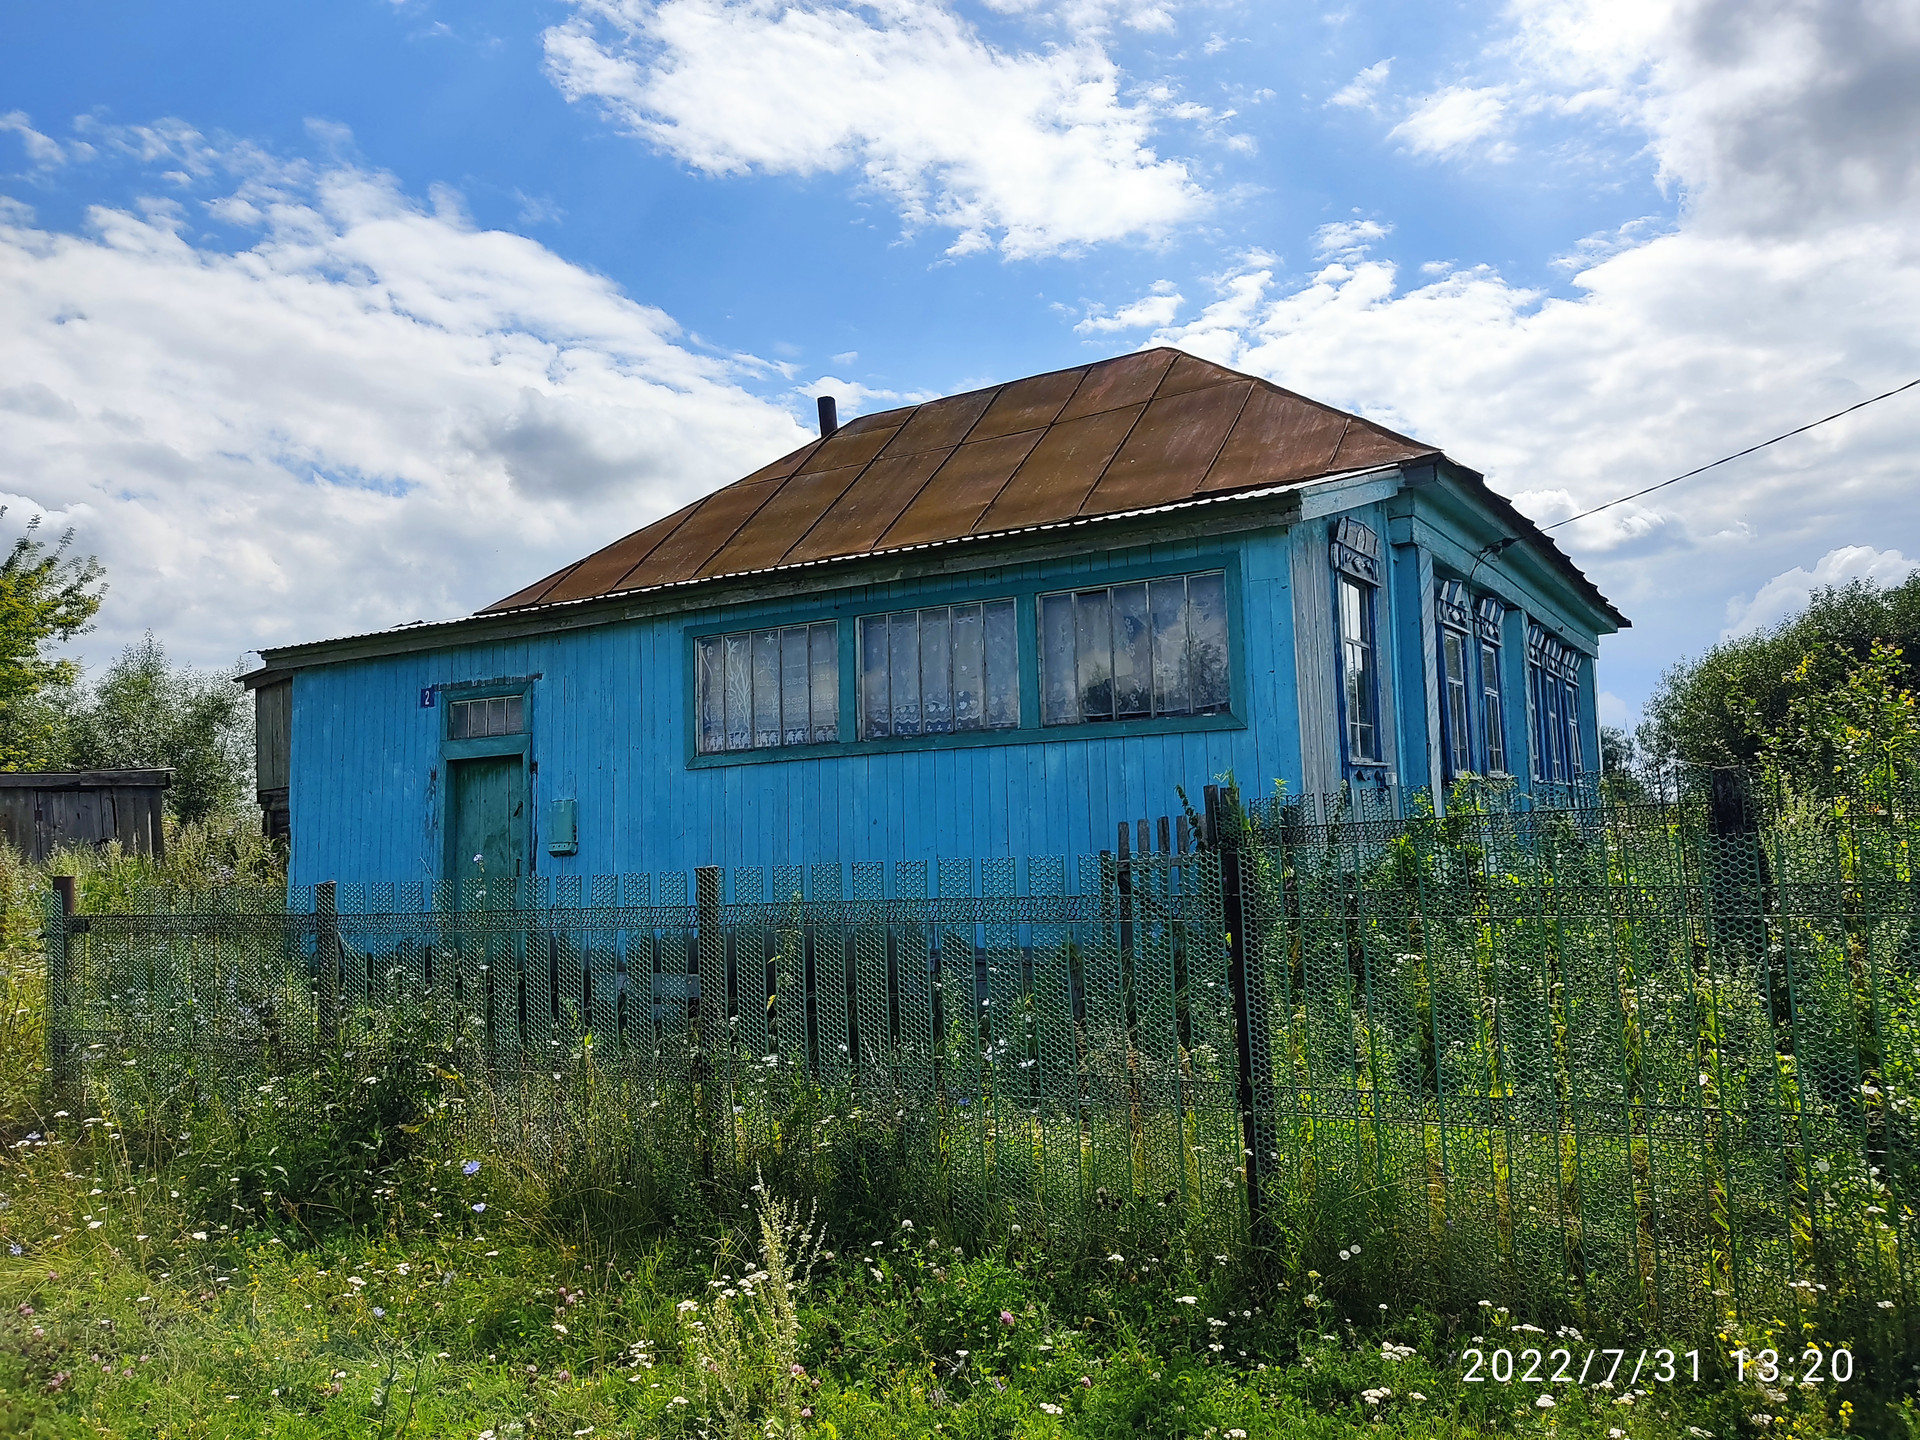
column 1860, row 405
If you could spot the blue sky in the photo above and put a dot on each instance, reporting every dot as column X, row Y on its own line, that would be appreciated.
column 319, row 319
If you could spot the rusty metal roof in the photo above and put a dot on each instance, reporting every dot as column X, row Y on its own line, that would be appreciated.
column 1157, row 427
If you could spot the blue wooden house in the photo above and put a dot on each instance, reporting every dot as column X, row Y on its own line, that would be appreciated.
column 992, row 624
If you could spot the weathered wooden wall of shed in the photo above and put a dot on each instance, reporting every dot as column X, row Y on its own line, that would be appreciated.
column 272, row 733
column 39, row 821
column 609, row 719
column 272, row 746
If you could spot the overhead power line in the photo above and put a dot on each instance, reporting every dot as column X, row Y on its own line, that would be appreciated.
column 1861, row 405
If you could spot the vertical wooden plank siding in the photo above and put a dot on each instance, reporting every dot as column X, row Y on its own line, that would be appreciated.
column 272, row 716
column 1419, row 666
column 1390, row 643
column 1589, row 714
column 608, row 711
column 1316, row 653
column 1513, row 695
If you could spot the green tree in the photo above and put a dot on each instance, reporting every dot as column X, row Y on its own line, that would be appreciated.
column 47, row 594
column 1726, row 707
column 1850, row 738
column 146, row 711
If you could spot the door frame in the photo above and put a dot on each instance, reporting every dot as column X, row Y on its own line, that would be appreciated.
column 490, row 748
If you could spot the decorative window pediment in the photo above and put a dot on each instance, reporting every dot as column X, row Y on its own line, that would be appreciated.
column 1356, row 550
column 1551, row 654
column 1487, row 616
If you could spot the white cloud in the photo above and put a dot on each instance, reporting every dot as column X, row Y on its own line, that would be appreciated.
column 1031, row 151
column 538, row 209
column 1348, row 239
column 1092, row 17
column 1360, row 92
column 1452, row 120
column 373, row 413
column 1156, row 308
column 1783, row 291
column 851, row 398
column 1788, row 593
column 43, row 150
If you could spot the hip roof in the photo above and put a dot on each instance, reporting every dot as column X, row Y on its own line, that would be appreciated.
column 1152, row 428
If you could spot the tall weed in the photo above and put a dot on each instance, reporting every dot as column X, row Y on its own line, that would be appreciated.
column 744, row 1342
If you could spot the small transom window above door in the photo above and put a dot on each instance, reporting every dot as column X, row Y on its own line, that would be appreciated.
column 1142, row 651
column 484, row 719
column 939, row 670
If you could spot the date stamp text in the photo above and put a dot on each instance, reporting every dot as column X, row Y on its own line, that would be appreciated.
column 1626, row 1368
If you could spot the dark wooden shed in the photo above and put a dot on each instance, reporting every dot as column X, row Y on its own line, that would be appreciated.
column 272, row 743
column 40, row 813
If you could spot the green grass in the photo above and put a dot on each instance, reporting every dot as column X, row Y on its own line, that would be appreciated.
column 118, row 1319
column 238, row 1271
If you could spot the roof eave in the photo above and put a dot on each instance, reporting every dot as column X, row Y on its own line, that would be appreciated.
column 280, row 662
column 1521, row 527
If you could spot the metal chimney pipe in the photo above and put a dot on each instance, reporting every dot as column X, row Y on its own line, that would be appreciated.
column 829, row 416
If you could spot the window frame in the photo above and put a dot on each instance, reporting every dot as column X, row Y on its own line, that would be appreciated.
column 750, row 634
column 1073, row 593
column 1555, row 676
column 866, row 618
column 1023, row 585
column 1457, row 747
column 1453, row 621
column 1370, row 615
column 1489, row 638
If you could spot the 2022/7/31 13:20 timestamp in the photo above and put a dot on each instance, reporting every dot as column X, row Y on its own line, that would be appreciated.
column 1606, row 1368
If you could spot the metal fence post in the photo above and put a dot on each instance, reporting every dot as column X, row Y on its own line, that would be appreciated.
column 60, row 1040
column 326, row 929
column 710, row 1029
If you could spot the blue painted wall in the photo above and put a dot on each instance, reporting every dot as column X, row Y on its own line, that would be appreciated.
column 609, row 727
column 609, row 722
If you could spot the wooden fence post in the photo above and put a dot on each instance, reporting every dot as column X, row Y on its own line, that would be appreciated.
column 59, row 942
column 326, row 928
column 1246, row 988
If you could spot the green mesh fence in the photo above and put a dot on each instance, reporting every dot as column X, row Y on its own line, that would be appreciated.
column 1645, row 1069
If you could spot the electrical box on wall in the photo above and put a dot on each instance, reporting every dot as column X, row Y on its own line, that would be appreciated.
column 562, row 828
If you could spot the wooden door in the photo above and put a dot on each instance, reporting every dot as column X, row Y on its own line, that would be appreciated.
column 489, row 826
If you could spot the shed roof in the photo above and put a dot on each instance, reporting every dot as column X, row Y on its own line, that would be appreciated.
column 1153, row 428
